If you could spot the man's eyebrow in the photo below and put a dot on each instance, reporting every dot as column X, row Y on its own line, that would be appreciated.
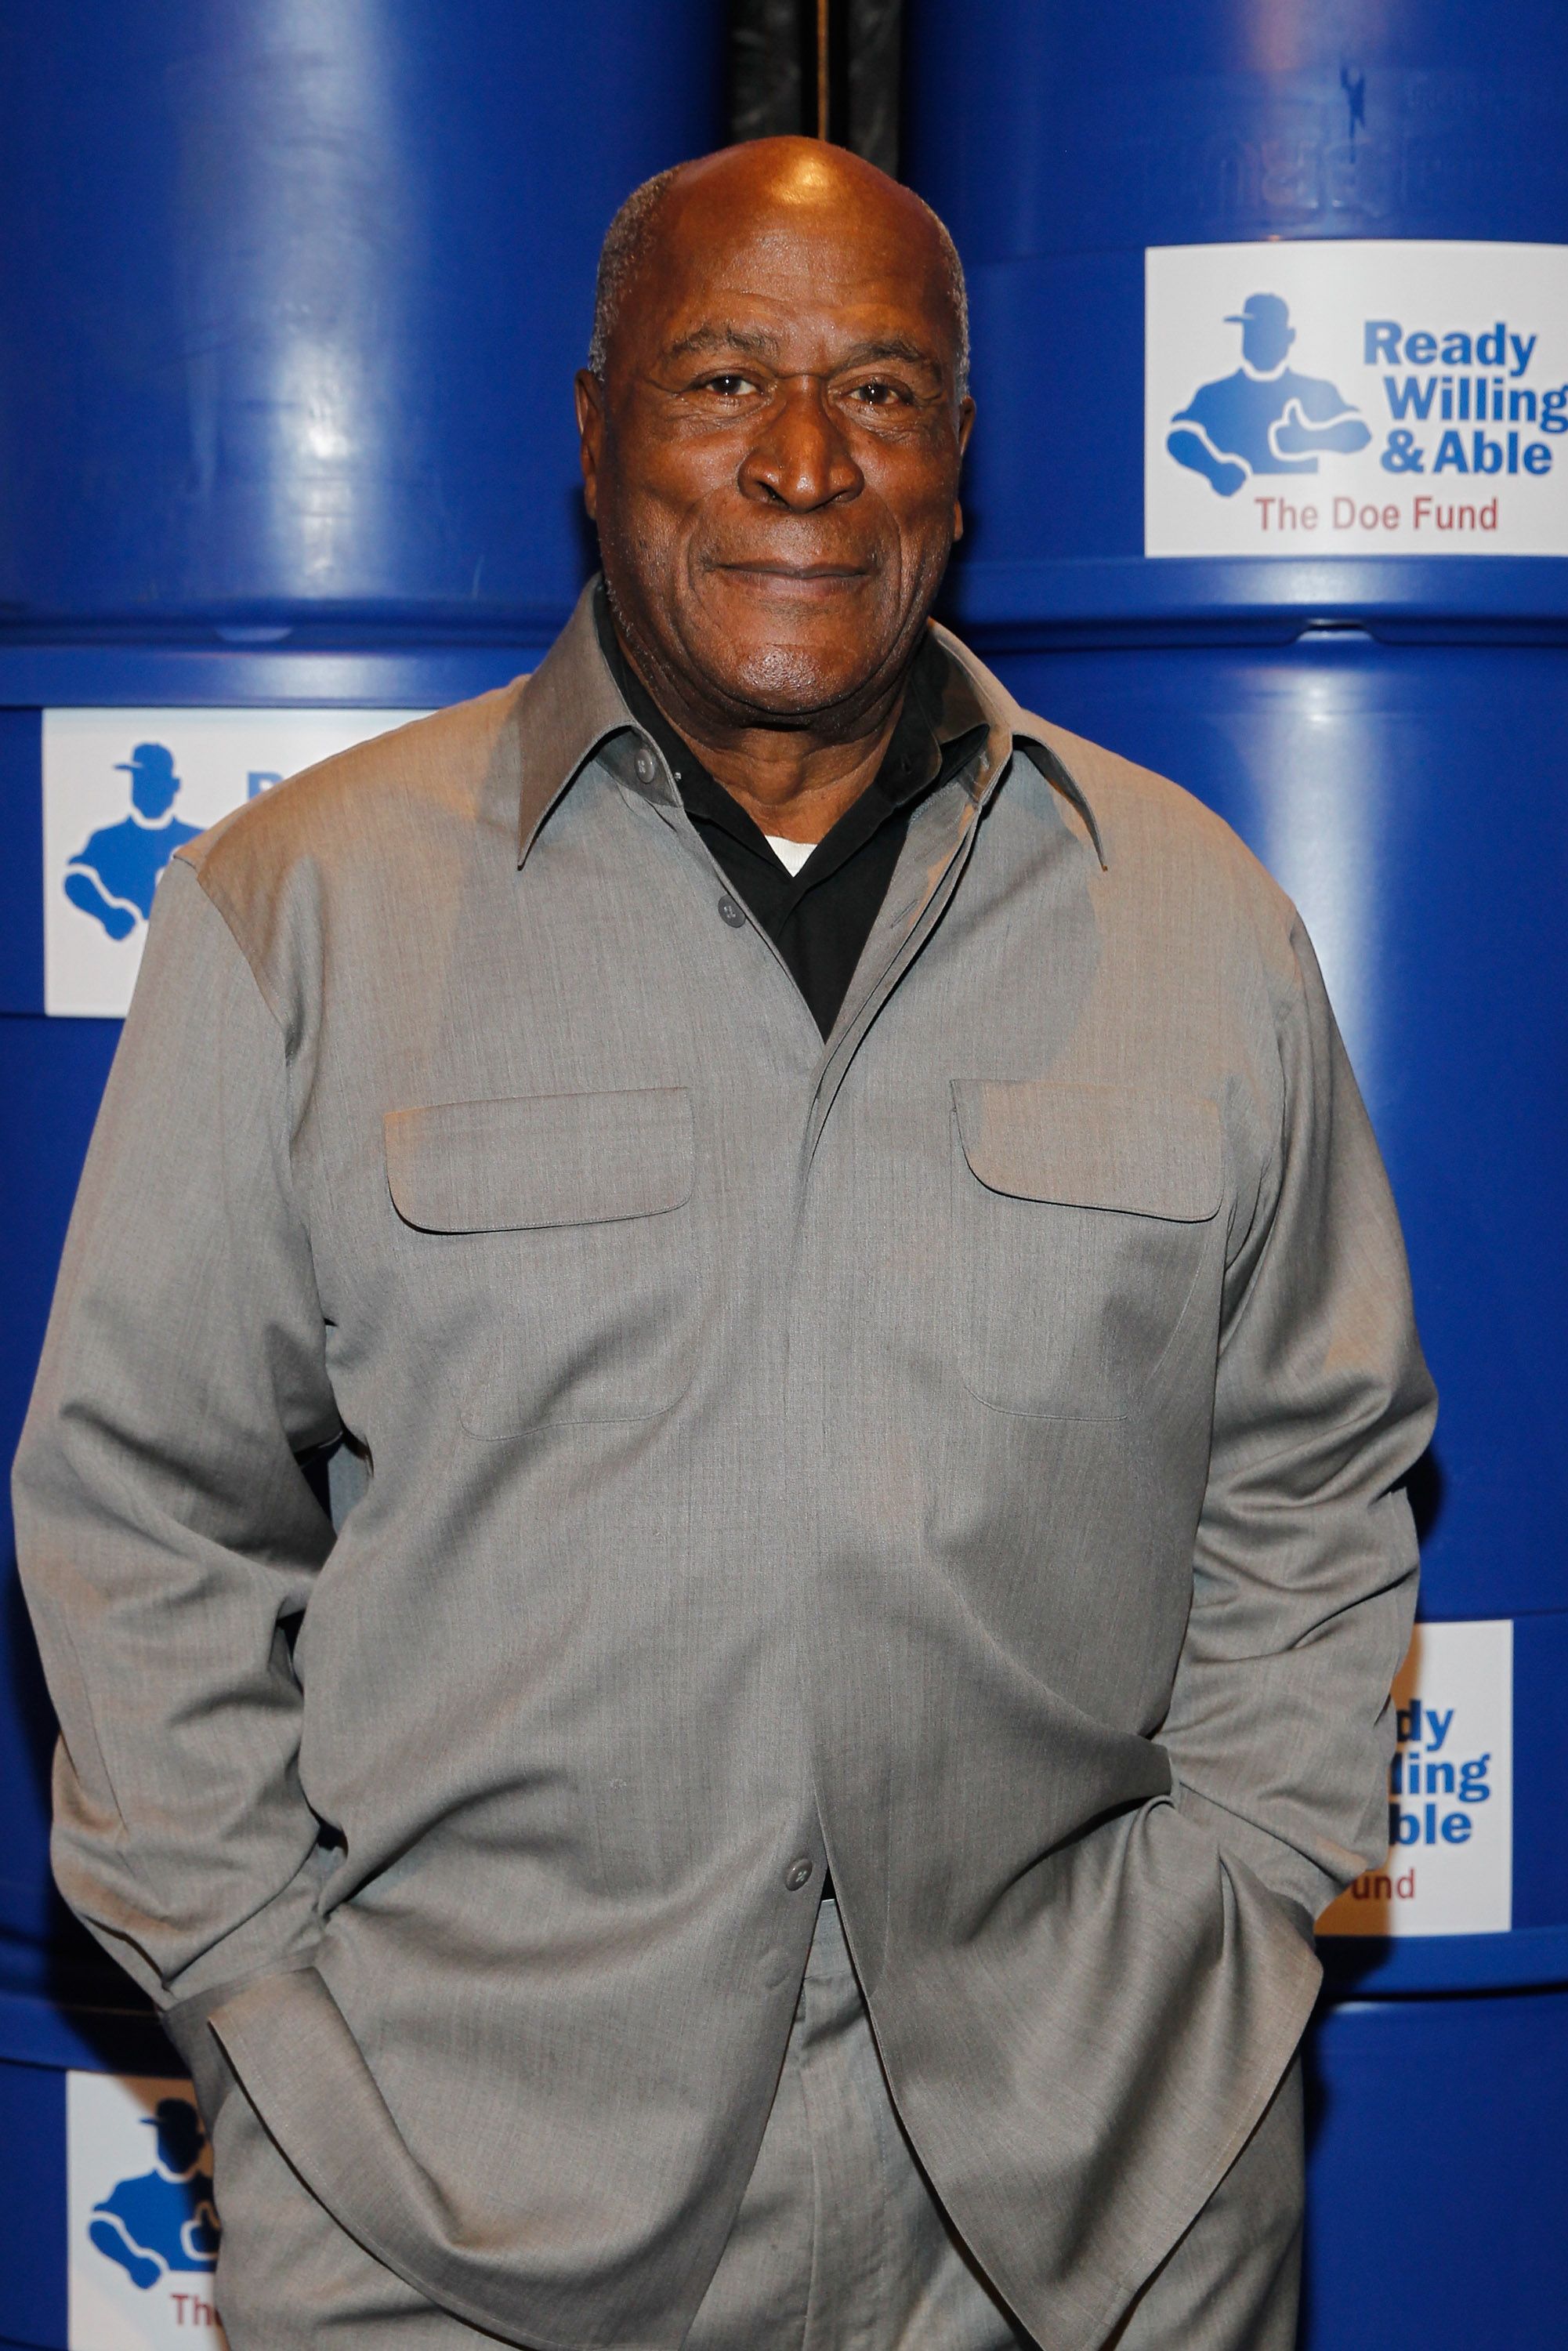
column 721, row 336
column 890, row 346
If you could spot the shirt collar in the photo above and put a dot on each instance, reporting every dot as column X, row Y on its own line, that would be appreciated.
column 571, row 706
column 970, row 683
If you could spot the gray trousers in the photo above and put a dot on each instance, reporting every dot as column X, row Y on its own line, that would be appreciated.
column 839, row 2244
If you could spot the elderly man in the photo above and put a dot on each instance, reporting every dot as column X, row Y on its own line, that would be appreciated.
column 837, row 1220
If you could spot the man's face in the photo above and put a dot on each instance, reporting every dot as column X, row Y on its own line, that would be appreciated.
column 773, row 462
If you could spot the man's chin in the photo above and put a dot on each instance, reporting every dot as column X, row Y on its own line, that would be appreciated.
column 791, row 677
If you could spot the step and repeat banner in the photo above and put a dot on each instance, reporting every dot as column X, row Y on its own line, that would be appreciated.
column 1449, row 1866
column 122, row 789
column 143, row 2223
column 1376, row 396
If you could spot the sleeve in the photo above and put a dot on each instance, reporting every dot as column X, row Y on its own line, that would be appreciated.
column 167, row 1536
column 1279, row 1728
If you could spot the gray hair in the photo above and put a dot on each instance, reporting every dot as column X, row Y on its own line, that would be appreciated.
column 626, row 240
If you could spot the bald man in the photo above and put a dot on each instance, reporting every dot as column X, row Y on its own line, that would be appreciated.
column 834, row 1218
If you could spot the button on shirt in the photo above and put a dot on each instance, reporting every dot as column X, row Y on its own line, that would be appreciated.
column 820, row 917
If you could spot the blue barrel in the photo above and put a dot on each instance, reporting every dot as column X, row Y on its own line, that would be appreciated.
column 1427, row 2121
column 292, row 305
column 293, row 297
column 1268, row 491
column 1061, row 145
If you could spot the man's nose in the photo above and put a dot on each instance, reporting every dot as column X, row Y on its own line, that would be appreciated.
column 800, row 458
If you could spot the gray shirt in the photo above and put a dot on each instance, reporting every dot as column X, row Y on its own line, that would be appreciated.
column 964, row 1450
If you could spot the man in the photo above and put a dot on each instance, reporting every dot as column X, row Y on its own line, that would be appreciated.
column 903, row 1367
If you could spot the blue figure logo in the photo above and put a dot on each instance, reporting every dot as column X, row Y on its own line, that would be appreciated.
column 113, row 878
column 1264, row 419
column 165, row 2219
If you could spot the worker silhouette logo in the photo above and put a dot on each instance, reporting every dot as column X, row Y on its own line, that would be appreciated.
column 142, row 2221
column 113, row 877
column 102, row 862
column 163, row 2219
column 1265, row 418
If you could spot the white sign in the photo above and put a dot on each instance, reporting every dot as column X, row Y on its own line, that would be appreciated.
column 1349, row 396
column 122, row 789
column 143, row 2227
column 1449, row 1869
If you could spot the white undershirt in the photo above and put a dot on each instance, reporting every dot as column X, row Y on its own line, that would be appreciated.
column 791, row 854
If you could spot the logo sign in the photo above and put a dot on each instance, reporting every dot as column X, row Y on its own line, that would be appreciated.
column 122, row 789
column 1355, row 397
column 143, row 2226
column 1449, row 1869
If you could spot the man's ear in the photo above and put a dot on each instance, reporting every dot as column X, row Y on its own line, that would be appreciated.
column 588, row 394
column 966, row 426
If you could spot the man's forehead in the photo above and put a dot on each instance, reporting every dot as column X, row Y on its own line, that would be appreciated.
column 763, row 278
column 708, row 227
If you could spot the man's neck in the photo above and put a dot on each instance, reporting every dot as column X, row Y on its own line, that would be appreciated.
column 792, row 782
column 795, row 790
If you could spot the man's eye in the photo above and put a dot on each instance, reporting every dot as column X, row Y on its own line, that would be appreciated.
column 728, row 387
column 878, row 394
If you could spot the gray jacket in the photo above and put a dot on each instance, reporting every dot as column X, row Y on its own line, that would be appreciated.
column 965, row 1454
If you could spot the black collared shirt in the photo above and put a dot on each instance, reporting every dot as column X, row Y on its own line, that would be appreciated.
column 820, row 918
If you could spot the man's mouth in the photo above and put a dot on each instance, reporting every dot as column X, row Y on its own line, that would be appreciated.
column 809, row 580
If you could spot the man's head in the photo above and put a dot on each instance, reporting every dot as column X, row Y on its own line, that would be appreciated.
column 772, row 427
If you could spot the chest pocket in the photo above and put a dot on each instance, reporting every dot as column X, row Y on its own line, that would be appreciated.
column 551, row 1244
column 1084, row 1217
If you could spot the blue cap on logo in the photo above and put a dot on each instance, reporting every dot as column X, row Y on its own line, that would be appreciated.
column 1257, row 308
column 149, row 760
